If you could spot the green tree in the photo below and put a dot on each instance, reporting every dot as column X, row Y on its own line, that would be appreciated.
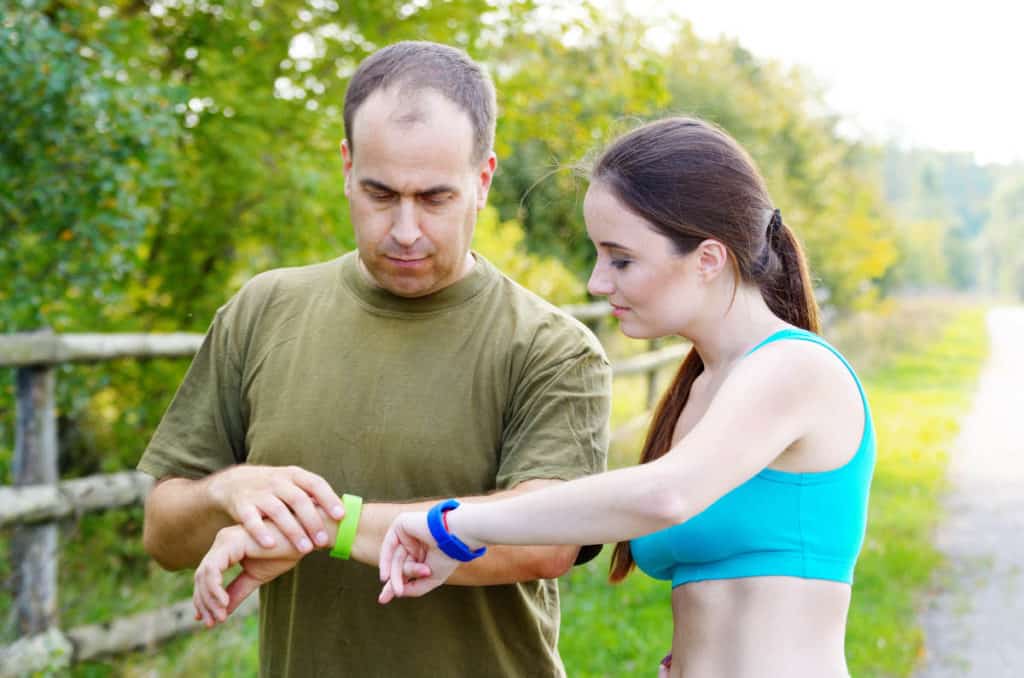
column 1003, row 239
column 156, row 155
column 85, row 149
column 559, row 103
column 952, row 192
column 503, row 243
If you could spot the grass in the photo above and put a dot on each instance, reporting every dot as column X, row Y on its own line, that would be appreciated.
column 924, row 365
column 921, row 362
column 918, row 400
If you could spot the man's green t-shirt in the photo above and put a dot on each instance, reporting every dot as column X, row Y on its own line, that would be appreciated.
column 472, row 389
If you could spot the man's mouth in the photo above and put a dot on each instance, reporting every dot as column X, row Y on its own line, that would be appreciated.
column 406, row 261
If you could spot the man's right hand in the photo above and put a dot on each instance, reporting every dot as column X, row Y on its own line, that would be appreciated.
column 235, row 546
column 287, row 496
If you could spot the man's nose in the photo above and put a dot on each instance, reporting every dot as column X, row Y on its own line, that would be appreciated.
column 406, row 230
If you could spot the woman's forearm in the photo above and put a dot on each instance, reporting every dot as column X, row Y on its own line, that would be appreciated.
column 598, row 509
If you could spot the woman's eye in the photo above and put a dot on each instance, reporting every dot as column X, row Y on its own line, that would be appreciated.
column 621, row 264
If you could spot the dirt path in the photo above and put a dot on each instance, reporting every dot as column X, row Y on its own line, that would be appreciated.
column 974, row 618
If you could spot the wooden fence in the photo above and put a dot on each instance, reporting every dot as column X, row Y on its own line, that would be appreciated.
column 38, row 498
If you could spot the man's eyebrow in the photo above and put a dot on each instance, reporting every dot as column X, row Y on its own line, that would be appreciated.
column 375, row 185
column 435, row 190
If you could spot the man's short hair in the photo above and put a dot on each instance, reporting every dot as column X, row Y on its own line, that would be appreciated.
column 417, row 65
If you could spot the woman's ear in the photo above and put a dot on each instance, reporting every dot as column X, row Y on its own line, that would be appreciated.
column 712, row 258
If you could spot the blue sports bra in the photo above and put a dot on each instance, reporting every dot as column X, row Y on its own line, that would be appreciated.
column 808, row 525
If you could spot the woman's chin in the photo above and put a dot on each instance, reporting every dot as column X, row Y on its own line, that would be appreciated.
column 634, row 330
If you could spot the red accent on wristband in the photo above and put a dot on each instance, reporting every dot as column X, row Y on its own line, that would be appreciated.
column 444, row 519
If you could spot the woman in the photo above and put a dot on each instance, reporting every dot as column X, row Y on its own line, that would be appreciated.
column 752, row 493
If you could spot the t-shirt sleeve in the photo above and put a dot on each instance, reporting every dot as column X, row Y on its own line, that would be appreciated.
column 203, row 429
column 558, row 425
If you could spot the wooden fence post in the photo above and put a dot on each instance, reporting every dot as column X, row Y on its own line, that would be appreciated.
column 34, row 547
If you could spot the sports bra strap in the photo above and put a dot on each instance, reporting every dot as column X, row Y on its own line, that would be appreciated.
column 805, row 335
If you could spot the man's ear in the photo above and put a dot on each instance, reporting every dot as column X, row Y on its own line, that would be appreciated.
column 712, row 258
column 346, row 158
column 486, row 175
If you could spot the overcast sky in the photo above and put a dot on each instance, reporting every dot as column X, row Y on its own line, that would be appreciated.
column 942, row 75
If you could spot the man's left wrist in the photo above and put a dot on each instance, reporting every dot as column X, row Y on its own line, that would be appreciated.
column 344, row 535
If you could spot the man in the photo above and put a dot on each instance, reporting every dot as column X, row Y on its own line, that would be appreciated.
column 409, row 370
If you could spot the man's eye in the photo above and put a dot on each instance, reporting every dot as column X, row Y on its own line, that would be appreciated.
column 437, row 200
column 380, row 197
column 621, row 264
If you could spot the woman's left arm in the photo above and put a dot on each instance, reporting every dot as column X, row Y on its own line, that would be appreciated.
column 765, row 405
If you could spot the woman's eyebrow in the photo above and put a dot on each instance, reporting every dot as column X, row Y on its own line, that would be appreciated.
column 612, row 245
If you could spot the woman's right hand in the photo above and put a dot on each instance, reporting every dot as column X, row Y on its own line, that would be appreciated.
column 410, row 549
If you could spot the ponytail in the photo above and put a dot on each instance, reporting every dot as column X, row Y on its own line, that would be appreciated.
column 786, row 282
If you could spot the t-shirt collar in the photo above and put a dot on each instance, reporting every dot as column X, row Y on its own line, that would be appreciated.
column 377, row 297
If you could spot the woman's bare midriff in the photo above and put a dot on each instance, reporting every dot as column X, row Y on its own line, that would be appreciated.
column 760, row 627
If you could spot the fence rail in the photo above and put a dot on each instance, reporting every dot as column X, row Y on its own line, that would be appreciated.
column 31, row 504
column 45, row 348
column 55, row 649
column 38, row 498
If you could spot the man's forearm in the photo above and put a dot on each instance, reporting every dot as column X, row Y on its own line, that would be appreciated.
column 181, row 522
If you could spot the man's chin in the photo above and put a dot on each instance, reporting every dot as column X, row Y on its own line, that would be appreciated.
column 402, row 281
column 410, row 293
column 408, row 286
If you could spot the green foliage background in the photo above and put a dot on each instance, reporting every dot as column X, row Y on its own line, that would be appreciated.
column 156, row 154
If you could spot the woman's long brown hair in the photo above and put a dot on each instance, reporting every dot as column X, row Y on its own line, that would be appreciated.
column 691, row 181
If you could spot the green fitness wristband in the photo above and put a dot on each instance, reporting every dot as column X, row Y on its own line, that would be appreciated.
column 347, row 527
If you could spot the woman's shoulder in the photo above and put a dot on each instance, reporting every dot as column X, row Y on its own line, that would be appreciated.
column 800, row 368
column 802, row 351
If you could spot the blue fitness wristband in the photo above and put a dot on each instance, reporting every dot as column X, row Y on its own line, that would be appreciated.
column 450, row 545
